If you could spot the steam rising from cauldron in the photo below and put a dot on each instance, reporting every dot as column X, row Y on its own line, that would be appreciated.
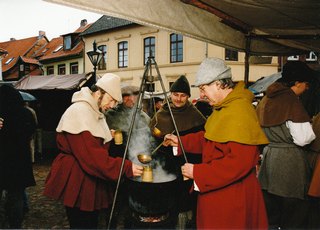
column 142, row 142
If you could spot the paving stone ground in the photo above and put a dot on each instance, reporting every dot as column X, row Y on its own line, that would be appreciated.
column 44, row 213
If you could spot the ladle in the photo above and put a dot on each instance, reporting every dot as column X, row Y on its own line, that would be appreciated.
column 144, row 158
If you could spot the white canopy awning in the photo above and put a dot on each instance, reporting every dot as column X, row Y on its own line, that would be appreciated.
column 258, row 27
column 50, row 82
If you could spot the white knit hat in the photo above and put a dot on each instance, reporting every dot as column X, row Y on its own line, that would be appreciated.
column 111, row 84
column 212, row 69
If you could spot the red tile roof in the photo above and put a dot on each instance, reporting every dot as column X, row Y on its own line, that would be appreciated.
column 30, row 60
column 49, row 51
column 82, row 28
column 15, row 48
column 3, row 51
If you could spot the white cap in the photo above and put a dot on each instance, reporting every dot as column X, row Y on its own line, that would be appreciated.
column 212, row 69
column 111, row 84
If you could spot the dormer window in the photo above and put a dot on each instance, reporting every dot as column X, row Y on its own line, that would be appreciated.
column 45, row 50
column 58, row 48
column 67, row 42
column 9, row 60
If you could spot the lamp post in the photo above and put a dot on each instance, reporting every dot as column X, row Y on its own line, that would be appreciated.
column 94, row 57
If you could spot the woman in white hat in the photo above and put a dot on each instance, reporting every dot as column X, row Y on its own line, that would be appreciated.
column 230, row 196
column 82, row 173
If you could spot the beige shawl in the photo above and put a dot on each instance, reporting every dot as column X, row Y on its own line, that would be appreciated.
column 84, row 115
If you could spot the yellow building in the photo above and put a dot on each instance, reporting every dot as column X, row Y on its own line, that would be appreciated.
column 126, row 46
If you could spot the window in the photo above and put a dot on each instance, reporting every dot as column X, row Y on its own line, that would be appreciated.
column 150, row 87
column 102, row 65
column 58, row 48
column 123, row 54
column 45, row 50
column 9, row 60
column 176, row 48
column 50, row 70
column 62, row 69
column 26, row 69
column 231, row 55
column 67, row 42
column 149, row 48
column 311, row 57
column 74, row 68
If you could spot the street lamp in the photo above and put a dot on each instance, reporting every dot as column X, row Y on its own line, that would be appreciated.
column 94, row 57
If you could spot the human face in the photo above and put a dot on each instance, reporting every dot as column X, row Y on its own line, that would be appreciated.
column 129, row 100
column 179, row 99
column 300, row 87
column 212, row 92
column 107, row 102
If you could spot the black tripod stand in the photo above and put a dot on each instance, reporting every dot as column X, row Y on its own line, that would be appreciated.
column 147, row 78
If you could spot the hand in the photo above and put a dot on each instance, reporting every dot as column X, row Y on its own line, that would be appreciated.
column 170, row 139
column 137, row 170
column 187, row 170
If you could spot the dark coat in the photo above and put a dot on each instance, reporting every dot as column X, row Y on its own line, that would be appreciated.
column 19, row 125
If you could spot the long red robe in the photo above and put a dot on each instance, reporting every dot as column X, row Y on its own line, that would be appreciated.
column 82, row 174
column 230, row 195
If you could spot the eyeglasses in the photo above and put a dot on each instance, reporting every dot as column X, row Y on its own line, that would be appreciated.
column 202, row 88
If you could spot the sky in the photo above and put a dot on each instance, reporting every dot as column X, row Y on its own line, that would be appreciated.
column 25, row 18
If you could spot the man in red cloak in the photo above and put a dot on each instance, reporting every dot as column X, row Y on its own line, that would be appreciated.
column 230, row 196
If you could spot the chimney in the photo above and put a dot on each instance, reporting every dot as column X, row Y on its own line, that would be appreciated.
column 42, row 33
column 83, row 22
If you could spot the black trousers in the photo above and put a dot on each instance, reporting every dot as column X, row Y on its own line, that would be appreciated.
column 82, row 219
column 287, row 213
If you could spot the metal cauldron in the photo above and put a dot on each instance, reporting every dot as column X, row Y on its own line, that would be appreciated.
column 152, row 198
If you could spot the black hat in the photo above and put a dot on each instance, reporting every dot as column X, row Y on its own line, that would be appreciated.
column 181, row 85
column 297, row 71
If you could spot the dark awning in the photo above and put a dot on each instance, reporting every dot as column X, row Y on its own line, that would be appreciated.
column 65, row 82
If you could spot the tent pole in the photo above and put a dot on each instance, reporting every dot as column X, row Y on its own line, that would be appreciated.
column 246, row 58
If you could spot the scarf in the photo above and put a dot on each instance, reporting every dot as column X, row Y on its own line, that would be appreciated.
column 280, row 105
column 235, row 119
column 186, row 117
column 84, row 115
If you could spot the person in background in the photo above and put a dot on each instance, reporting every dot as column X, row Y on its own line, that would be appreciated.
column 82, row 174
column 188, row 120
column 158, row 103
column 32, row 141
column 204, row 107
column 230, row 196
column 284, row 173
column 32, row 151
column 16, row 172
column 119, row 118
column 153, row 105
column 314, row 188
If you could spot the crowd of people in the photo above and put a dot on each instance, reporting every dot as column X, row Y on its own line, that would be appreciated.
column 213, row 153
